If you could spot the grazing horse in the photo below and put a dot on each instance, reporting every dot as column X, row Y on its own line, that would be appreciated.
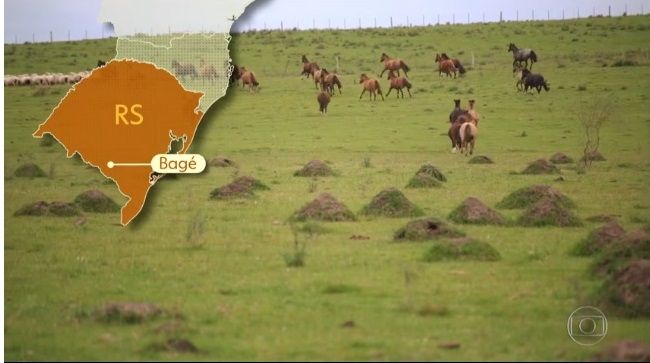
column 393, row 64
column 235, row 75
column 522, row 55
column 370, row 85
column 398, row 83
column 248, row 78
column 456, row 112
column 533, row 80
column 323, row 100
column 468, row 132
column 328, row 81
column 100, row 63
column 182, row 70
column 208, row 71
column 457, row 63
column 308, row 68
column 473, row 114
column 445, row 65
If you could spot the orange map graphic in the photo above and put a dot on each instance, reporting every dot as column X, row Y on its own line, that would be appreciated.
column 125, row 112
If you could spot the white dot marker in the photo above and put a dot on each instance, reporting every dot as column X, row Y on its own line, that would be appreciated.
column 110, row 164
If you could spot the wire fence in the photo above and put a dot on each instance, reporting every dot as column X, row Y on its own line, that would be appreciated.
column 243, row 26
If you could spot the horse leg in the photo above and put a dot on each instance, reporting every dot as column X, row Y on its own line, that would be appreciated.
column 409, row 91
column 382, row 73
column 362, row 92
column 389, row 89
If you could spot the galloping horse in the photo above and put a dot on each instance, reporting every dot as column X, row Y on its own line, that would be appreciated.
column 328, row 81
column 474, row 115
column 398, row 83
column 308, row 68
column 457, row 111
column 522, row 55
column 393, row 64
column 318, row 77
column 533, row 80
column 457, row 63
column 454, row 131
column 248, row 78
column 445, row 65
column 468, row 132
column 323, row 100
column 370, row 85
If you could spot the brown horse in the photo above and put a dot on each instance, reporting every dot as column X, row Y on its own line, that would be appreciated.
column 468, row 132
column 248, row 78
column 473, row 114
column 370, row 85
column 398, row 83
column 207, row 71
column 323, row 100
column 318, row 77
column 457, row 63
column 328, row 81
column 185, row 69
column 393, row 64
column 445, row 65
column 308, row 68
column 454, row 131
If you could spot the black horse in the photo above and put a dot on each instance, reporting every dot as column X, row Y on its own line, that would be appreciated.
column 533, row 80
column 522, row 55
column 100, row 63
column 457, row 111
column 235, row 75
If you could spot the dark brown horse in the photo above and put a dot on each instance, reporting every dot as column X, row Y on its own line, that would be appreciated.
column 522, row 55
column 248, row 79
column 454, row 131
column 308, row 68
column 398, row 83
column 457, row 63
column 457, row 111
column 370, row 85
column 234, row 76
column 323, row 100
column 393, row 64
column 445, row 66
column 533, row 80
column 328, row 81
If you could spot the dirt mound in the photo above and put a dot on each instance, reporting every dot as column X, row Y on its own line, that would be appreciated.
column 242, row 187
column 561, row 158
column 598, row 239
column 29, row 170
column 480, row 159
column 525, row 197
column 180, row 345
column 547, row 212
column 391, row 203
column 222, row 162
column 324, row 208
column 624, row 351
column 431, row 170
column 128, row 312
column 47, row 140
column 96, row 201
column 603, row 218
column 541, row 166
column 425, row 229
column 473, row 211
column 628, row 290
column 594, row 156
column 634, row 245
column 315, row 168
column 461, row 248
column 42, row 208
column 423, row 181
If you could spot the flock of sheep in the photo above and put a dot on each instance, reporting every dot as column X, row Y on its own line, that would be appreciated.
column 47, row 79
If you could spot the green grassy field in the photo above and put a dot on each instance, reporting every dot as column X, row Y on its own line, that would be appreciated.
column 235, row 296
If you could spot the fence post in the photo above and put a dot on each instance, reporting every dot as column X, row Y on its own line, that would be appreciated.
column 281, row 26
column 453, row 18
column 562, row 14
column 548, row 14
column 517, row 14
column 51, row 38
column 533, row 14
column 468, row 17
column 609, row 11
column 391, row 21
column 33, row 38
column 501, row 16
column 438, row 23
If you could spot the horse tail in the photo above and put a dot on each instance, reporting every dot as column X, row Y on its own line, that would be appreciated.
column 533, row 56
column 407, row 83
column 404, row 66
column 378, row 87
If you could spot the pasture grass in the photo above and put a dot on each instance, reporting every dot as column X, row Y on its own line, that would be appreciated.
column 238, row 297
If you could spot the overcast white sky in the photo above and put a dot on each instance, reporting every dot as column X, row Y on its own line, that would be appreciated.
column 27, row 18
